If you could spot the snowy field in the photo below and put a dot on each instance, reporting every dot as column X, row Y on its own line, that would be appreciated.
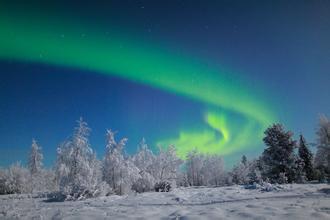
column 309, row 201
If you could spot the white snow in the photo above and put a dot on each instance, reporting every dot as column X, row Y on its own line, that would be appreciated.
column 296, row 201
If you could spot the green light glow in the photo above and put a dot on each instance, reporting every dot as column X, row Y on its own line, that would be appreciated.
column 41, row 40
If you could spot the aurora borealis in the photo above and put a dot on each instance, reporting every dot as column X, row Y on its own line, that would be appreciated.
column 233, row 111
column 148, row 66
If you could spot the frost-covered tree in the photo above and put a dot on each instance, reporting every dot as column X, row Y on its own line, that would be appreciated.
column 203, row 170
column 3, row 179
column 300, row 174
column 246, row 172
column 254, row 175
column 306, row 158
column 194, row 168
column 15, row 179
column 166, row 165
column 35, row 158
column 118, row 172
column 278, row 159
column 322, row 157
column 77, row 166
column 213, row 170
column 240, row 173
column 35, row 167
column 144, row 160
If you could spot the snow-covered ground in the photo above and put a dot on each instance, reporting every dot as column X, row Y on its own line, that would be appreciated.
column 309, row 201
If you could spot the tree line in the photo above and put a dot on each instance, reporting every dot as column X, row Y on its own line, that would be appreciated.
column 79, row 174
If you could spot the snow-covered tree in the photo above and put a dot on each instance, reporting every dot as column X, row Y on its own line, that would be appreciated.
column 15, row 179
column 241, row 172
column 194, row 168
column 166, row 165
column 203, row 170
column 3, row 179
column 246, row 172
column 322, row 157
column 35, row 167
column 254, row 175
column 306, row 158
column 144, row 160
column 77, row 166
column 278, row 159
column 213, row 170
column 299, row 172
column 35, row 158
column 119, row 173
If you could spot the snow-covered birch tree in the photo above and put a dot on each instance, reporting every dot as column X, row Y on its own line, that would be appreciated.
column 119, row 173
column 166, row 165
column 35, row 167
column 144, row 160
column 77, row 167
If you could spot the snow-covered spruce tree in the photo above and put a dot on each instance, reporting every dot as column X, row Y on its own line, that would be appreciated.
column 278, row 159
column 307, row 158
column 118, row 172
column 322, row 157
column 76, row 165
column 144, row 160
column 35, row 167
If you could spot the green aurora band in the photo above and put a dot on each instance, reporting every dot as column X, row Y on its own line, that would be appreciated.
column 41, row 40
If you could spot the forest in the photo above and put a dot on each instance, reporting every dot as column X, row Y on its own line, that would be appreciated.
column 78, row 174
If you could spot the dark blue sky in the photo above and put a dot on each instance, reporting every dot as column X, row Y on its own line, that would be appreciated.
column 282, row 46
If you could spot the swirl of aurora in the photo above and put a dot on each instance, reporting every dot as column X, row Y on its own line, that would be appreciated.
column 39, row 40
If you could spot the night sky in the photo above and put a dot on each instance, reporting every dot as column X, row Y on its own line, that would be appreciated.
column 205, row 75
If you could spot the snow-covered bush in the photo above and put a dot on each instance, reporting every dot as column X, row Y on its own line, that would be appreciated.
column 144, row 184
column 103, row 189
column 77, row 168
column 163, row 186
column 14, row 179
